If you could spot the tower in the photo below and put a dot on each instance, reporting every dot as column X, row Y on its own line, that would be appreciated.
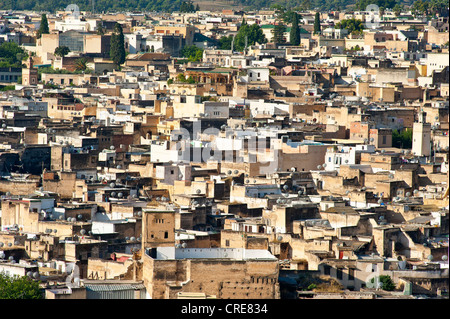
column 158, row 227
column 29, row 73
column 421, row 143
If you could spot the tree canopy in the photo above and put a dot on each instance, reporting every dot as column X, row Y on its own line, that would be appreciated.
column 193, row 53
column 117, row 51
column 352, row 25
column 294, row 35
column 317, row 27
column 19, row 287
column 62, row 51
column 11, row 55
column 43, row 28
column 253, row 33
column 278, row 33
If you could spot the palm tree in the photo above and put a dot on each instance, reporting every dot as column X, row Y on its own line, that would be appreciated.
column 81, row 64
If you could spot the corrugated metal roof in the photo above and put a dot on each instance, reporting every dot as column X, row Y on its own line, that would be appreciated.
column 114, row 287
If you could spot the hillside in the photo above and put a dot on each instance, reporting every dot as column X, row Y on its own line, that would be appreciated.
column 169, row 5
column 174, row 5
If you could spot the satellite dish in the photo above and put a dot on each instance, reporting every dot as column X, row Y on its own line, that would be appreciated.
column 184, row 245
column 319, row 166
column 83, row 232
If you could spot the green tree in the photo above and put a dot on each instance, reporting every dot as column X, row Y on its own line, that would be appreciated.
column 420, row 7
column 295, row 31
column 224, row 43
column 317, row 28
column 278, row 33
column 81, row 64
column 11, row 55
column 247, row 34
column 398, row 8
column 117, row 51
column 386, row 282
column 43, row 28
column 402, row 139
column 439, row 7
column 187, row 6
column 19, row 287
column 192, row 52
column 62, row 51
column 352, row 25
column 100, row 29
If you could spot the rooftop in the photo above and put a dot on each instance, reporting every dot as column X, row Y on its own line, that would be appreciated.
column 242, row 254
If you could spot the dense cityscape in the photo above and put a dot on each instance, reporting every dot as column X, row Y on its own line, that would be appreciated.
column 209, row 150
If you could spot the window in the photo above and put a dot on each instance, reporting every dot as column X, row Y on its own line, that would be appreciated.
column 339, row 274
column 326, row 270
column 351, row 274
column 166, row 235
column 227, row 243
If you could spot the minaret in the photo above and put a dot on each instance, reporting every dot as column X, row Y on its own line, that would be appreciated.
column 421, row 143
column 29, row 73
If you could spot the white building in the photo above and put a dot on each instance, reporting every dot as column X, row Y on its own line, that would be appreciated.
column 338, row 155
column 421, row 143
column 436, row 62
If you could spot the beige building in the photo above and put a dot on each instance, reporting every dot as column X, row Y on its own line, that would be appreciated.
column 158, row 227
column 421, row 143
column 231, row 273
